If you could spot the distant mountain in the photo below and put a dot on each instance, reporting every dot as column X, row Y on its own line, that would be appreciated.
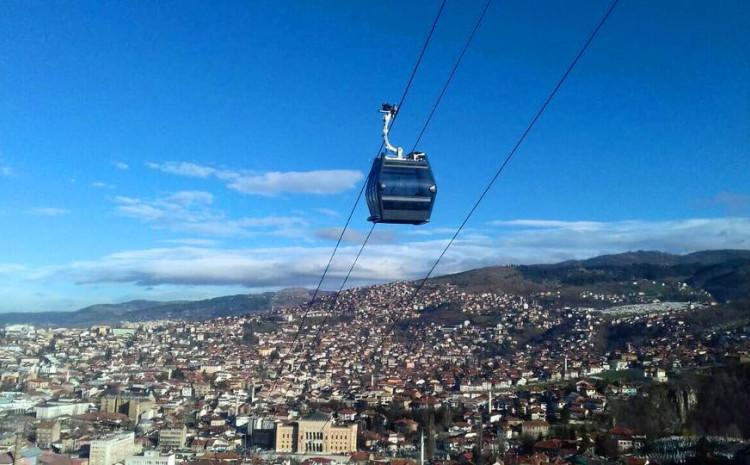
column 626, row 258
column 145, row 310
column 725, row 274
column 648, row 257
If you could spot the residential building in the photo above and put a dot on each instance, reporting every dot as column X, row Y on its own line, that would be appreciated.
column 112, row 448
column 47, row 433
column 172, row 438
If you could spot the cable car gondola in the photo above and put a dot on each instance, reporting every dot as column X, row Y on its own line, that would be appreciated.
column 400, row 189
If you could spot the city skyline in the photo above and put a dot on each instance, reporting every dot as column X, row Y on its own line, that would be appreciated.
column 194, row 151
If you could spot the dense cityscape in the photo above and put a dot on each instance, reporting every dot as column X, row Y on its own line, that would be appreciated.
column 461, row 377
column 374, row 233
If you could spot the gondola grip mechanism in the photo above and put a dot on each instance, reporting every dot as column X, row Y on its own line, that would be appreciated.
column 389, row 112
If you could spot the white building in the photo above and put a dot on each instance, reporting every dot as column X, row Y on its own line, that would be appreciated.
column 16, row 402
column 58, row 409
column 112, row 448
column 172, row 438
column 151, row 457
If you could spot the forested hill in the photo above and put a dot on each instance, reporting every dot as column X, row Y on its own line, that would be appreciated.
column 725, row 274
column 144, row 310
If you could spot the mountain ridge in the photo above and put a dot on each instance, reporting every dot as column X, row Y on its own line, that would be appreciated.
column 724, row 273
column 146, row 310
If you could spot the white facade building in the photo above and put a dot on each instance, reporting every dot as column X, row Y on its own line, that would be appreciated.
column 151, row 457
column 112, row 449
column 59, row 409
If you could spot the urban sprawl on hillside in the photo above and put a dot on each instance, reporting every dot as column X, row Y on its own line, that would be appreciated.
column 459, row 377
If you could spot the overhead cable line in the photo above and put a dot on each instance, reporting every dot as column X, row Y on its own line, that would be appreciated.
column 507, row 160
column 435, row 106
column 405, row 93
column 409, row 82
column 334, row 301
column 451, row 74
column 332, row 306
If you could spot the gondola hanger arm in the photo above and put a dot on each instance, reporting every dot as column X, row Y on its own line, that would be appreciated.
column 389, row 112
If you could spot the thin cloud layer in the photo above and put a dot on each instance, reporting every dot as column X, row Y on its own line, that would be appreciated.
column 352, row 235
column 552, row 224
column 308, row 182
column 190, row 170
column 541, row 241
column 320, row 182
column 192, row 212
column 302, row 266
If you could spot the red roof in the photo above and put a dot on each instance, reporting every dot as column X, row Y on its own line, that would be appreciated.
column 317, row 461
column 621, row 431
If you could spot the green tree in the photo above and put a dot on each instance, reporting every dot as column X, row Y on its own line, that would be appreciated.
column 565, row 415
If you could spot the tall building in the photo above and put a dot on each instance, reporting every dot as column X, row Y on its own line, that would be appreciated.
column 47, row 432
column 17, row 447
column 109, row 403
column 172, row 438
column 138, row 405
column 112, row 448
column 316, row 434
column 130, row 404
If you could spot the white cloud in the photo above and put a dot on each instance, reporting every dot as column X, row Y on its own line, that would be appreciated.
column 193, row 242
column 49, row 211
column 352, row 235
column 543, row 240
column 271, row 267
column 121, row 165
column 12, row 268
column 552, row 224
column 319, row 182
column 310, row 182
column 301, row 266
column 329, row 212
column 191, row 170
column 101, row 185
column 192, row 212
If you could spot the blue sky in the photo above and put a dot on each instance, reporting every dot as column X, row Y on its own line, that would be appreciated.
column 193, row 149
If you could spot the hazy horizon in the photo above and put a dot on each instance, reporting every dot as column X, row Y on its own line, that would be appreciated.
column 311, row 287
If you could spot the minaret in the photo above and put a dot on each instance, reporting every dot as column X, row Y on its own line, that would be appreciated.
column 565, row 368
column 489, row 403
column 421, row 451
column 480, row 439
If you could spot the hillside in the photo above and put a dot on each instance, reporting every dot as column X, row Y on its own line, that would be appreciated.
column 725, row 274
column 143, row 310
